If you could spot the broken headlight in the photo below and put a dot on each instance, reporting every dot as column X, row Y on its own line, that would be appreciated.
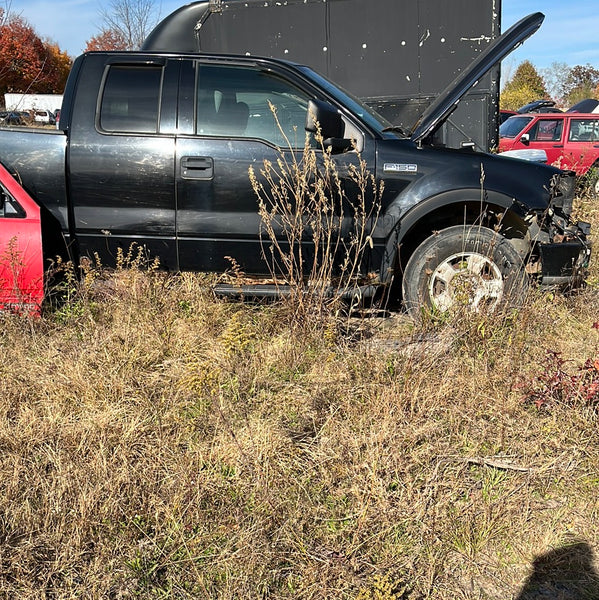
column 562, row 190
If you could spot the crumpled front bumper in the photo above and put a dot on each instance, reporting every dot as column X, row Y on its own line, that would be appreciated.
column 565, row 262
column 563, row 246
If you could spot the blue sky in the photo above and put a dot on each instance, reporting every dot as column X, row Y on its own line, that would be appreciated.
column 570, row 33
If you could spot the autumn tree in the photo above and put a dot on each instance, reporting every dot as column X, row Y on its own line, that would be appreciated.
column 28, row 64
column 554, row 77
column 22, row 56
column 525, row 86
column 125, row 25
column 107, row 39
column 580, row 83
column 57, row 69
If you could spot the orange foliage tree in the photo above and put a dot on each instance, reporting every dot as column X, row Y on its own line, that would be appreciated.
column 107, row 39
column 28, row 64
column 58, row 67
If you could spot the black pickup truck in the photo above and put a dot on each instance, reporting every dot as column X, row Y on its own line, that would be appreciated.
column 155, row 148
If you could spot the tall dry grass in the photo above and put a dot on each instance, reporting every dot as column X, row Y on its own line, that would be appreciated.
column 156, row 442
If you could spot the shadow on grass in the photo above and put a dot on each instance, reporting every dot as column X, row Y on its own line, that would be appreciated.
column 566, row 573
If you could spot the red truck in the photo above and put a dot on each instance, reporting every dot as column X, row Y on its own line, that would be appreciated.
column 570, row 140
column 21, row 257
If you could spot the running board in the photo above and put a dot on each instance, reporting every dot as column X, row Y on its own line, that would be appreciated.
column 272, row 291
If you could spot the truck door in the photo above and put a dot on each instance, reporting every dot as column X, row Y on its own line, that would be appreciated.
column 545, row 133
column 582, row 145
column 234, row 128
column 21, row 261
column 121, row 156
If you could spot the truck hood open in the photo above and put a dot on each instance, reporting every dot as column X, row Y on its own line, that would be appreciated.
column 438, row 112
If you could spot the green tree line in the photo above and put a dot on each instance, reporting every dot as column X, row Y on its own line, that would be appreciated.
column 559, row 82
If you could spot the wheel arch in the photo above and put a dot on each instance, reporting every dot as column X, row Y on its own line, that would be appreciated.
column 457, row 207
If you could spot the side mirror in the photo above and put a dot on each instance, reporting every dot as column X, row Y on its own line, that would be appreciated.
column 324, row 115
column 525, row 139
column 327, row 117
column 338, row 145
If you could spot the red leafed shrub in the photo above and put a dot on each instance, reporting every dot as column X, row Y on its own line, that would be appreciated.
column 556, row 384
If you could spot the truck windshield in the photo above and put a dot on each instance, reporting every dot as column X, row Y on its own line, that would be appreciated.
column 367, row 114
column 511, row 127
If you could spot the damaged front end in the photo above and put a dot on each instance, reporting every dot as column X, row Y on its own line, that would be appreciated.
column 560, row 247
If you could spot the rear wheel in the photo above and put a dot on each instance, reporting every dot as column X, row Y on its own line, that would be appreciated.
column 463, row 267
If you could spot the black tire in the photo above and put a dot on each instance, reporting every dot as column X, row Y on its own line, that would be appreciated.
column 463, row 266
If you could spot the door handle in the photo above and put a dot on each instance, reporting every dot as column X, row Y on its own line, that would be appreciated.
column 558, row 145
column 197, row 167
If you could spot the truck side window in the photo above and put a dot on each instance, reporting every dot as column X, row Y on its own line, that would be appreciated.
column 584, row 130
column 9, row 207
column 131, row 99
column 547, row 130
column 234, row 101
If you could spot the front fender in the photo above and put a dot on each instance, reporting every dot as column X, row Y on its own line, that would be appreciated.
column 455, row 207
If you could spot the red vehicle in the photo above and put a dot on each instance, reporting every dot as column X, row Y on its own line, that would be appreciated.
column 21, row 260
column 570, row 140
column 504, row 115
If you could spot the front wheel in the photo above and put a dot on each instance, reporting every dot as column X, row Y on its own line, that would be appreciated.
column 463, row 266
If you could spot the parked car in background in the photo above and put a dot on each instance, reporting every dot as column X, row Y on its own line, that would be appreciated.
column 590, row 105
column 570, row 139
column 10, row 118
column 538, row 106
column 44, row 116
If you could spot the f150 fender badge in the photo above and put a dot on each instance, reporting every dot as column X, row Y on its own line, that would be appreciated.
column 399, row 168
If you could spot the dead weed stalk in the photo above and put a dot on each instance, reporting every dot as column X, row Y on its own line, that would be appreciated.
column 315, row 233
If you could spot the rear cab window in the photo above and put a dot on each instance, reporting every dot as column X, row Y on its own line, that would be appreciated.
column 130, row 101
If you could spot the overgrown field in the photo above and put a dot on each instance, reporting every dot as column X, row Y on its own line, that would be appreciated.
column 156, row 442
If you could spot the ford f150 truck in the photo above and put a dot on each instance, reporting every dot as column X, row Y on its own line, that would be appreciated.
column 155, row 147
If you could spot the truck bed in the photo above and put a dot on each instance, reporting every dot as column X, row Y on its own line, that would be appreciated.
column 36, row 157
